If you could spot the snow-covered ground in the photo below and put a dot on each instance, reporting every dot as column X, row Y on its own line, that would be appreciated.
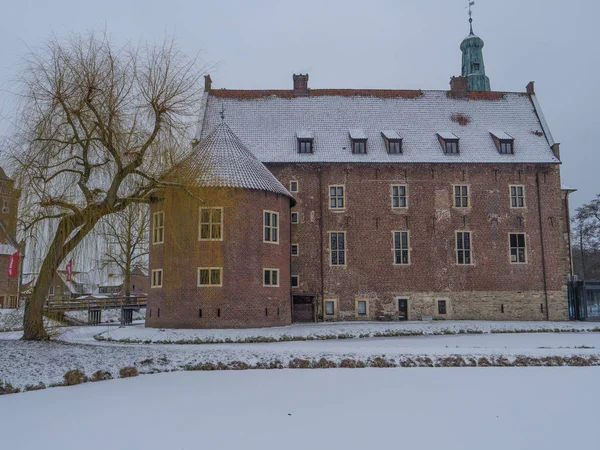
column 335, row 330
column 23, row 363
column 108, row 315
column 442, row 408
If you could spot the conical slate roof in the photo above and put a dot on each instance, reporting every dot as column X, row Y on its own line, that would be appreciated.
column 222, row 160
column 3, row 175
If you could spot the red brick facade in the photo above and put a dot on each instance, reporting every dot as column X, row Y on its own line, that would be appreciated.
column 9, row 200
column 489, row 288
column 242, row 300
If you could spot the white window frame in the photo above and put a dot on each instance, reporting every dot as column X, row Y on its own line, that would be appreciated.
column 297, row 250
column 400, row 249
column 153, row 281
column 297, row 277
column 345, row 249
column 330, row 300
column 336, row 197
column 296, row 216
column 399, row 197
column 270, row 227
column 524, row 248
column 158, row 228
column 516, row 196
column 210, row 223
column 470, row 249
column 271, row 270
column 210, row 283
column 292, row 186
column 461, row 196
column 51, row 290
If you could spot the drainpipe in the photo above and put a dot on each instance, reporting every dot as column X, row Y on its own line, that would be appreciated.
column 539, row 200
column 321, row 227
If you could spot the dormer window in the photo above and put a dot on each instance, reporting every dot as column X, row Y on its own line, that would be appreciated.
column 359, row 141
column 305, row 141
column 504, row 142
column 449, row 143
column 393, row 142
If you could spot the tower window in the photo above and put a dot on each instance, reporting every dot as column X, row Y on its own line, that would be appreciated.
column 211, row 224
column 337, row 248
column 271, row 227
column 271, row 277
column 517, row 248
column 210, row 276
column 475, row 66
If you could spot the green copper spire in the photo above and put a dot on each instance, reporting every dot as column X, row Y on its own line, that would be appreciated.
column 472, row 60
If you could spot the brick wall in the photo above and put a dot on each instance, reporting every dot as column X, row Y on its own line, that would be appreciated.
column 477, row 291
column 242, row 301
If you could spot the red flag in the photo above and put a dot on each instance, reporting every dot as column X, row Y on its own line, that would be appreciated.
column 69, row 270
column 13, row 265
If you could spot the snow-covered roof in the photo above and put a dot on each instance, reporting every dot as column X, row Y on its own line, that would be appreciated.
column 391, row 134
column 447, row 135
column 3, row 174
column 221, row 159
column 305, row 134
column 501, row 135
column 357, row 133
column 7, row 249
column 564, row 187
column 268, row 122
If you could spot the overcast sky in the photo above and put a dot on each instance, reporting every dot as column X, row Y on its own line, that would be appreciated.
column 385, row 44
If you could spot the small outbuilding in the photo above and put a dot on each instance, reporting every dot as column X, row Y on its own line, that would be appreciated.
column 220, row 241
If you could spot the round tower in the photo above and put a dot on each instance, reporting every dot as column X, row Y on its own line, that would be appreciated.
column 220, row 242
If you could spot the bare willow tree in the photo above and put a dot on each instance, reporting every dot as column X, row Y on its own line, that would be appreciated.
column 587, row 235
column 126, row 236
column 97, row 128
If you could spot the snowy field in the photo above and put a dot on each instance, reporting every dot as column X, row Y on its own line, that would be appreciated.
column 441, row 408
column 331, row 330
column 29, row 363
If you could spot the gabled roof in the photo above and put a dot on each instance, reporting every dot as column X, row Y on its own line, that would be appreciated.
column 268, row 123
column 3, row 175
column 7, row 249
column 220, row 159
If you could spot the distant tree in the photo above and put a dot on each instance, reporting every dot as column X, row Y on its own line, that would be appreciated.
column 98, row 126
column 587, row 239
column 126, row 235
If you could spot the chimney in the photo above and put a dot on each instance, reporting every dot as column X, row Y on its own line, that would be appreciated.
column 556, row 150
column 207, row 83
column 530, row 89
column 300, row 85
column 459, row 87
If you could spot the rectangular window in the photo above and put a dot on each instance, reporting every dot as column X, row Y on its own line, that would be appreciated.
column 337, row 240
column 463, row 247
column 295, row 281
column 507, row 147
column 517, row 248
column 210, row 276
column 271, row 227
column 517, row 196
column 51, row 290
column 451, row 146
column 295, row 250
column 157, row 278
column 359, row 146
column 305, row 146
column 361, row 307
column 293, row 186
column 294, row 217
column 401, row 248
column 5, row 206
column 461, row 196
column 394, row 147
column 337, row 198
column 271, row 277
column 158, row 227
column 441, row 306
column 329, row 307
column 399, row 199
column 211, row 224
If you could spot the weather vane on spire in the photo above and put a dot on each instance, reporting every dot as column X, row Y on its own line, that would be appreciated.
column 222, row 113
column 471, row 3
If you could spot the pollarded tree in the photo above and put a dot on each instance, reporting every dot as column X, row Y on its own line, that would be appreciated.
column 97, row 128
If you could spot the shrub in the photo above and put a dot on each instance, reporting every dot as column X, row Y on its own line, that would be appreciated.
column 298, row 363
column 128, row 372
column 323, row 364
column 101, row 375
column 34, row 387
column 73, row 377
column 7, row 388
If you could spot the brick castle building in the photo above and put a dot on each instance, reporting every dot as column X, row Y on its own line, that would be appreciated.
column 9, row 199
column 409, row 204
